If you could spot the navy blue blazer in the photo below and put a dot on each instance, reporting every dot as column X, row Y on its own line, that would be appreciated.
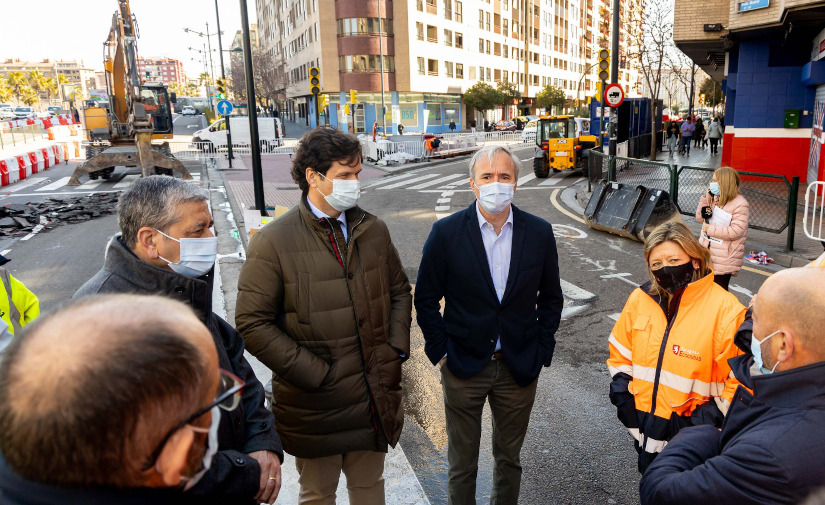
column 454, row 267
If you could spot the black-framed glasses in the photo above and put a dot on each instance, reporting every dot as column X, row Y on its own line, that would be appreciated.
column 230, row 392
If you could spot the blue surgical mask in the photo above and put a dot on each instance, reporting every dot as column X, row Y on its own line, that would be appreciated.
column 714, row 188
column 756, row 350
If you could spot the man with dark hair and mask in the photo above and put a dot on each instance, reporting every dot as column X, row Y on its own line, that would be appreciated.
column 496, row 268
column 166, row 247
column 323, row 301
column 86, row 418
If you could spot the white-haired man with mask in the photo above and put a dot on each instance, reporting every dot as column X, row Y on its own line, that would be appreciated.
column 166, row 246
column 496, row 268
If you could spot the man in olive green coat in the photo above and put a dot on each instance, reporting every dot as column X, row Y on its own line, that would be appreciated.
column 323, row 301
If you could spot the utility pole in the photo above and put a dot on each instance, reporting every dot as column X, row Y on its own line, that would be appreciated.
column 223, row 76
column 211, row 66
column 254, row 143
column 614, row 78
column 690, row 99
column 381, row 56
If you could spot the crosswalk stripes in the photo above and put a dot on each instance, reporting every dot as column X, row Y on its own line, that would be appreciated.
column 126, row 181
column 524, row 179
column 550, row 181
column 55, row 185
column 17, row 186
column 390, row 179
column 417, row 179
column 436, row 182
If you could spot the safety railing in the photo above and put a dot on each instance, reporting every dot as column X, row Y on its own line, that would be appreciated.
column 813, row 220
column 650, row 174
column 597, row 166
column 207, row 150
column 21, row 135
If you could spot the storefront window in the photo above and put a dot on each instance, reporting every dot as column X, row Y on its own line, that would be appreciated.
column 452, row 113
column 434, row 114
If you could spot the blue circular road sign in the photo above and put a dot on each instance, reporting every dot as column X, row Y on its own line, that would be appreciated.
column 225, row 107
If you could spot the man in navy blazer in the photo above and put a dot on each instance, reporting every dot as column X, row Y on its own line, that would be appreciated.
column 496, row 267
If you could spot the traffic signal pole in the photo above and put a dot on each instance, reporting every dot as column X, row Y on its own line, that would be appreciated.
column 254, row 143
column 223, row 76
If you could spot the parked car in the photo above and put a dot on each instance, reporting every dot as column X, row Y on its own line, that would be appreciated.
column 54, row 110
column 7, row 113
column 188, row 110
column 24, row 113
column 528, row 134
column 504, row 126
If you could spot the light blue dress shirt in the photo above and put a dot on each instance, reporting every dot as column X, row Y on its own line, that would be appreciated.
column 342, row 218
column 499, row 248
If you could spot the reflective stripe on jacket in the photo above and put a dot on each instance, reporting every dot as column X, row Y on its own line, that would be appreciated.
column 26, row 302
column 680, row 363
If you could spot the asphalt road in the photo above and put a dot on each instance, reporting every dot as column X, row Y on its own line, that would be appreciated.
column 187, row 125
column 575, row 452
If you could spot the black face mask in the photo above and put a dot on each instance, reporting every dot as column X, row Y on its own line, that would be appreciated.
column 675, row 277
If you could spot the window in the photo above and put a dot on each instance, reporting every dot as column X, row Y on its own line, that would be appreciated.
column 472, row 73
column 432, row 67
column 481, row 73
column 459, row 15
column 487, row 46
column 421, row 70
column 459, row 40
column 448, row 9
column 419, row 30
column 487, row 21
column 361, row 63
column 431, row 7
column 506, row 27
column 448, row 37
column 497, row 49
column 459, row 70
column 448, row 66
column 506, row 76
column 362, row 26
column 432, row 33
column 434, row 111
column 481, row 19
column 497, row 75
column 488, row 73
column 497, row 23
column 480, row 45
column 419, row 5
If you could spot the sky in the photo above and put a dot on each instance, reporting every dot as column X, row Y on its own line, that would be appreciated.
column 38, row 25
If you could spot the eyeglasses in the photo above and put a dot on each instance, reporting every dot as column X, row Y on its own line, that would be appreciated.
column 230, row 392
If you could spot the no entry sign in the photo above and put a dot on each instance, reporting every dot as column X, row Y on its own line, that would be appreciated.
column 613, row 95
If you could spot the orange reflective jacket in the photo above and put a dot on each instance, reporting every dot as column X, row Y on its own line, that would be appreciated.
column 677, row 361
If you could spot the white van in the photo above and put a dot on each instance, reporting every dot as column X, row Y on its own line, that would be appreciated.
column 270, row 133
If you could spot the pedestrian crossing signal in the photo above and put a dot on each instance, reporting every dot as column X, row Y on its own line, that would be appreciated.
column 314, row 81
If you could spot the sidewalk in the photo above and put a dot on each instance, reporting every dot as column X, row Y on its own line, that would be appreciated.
column 698, row 157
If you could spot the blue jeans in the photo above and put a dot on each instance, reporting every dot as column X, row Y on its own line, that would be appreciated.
column 686, row 144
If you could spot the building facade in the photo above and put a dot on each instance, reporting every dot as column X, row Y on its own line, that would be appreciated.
column 81, row 78
column 165, row 70
column 427, row 53
column 769, row 56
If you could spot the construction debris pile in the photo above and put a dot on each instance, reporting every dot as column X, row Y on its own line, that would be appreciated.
column 21, row 219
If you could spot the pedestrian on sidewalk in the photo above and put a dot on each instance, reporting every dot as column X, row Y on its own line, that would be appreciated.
column 776, row 434
column 166, row 247
column 687, row 130
column 473, row 125
column 499, row 321
column 111, row 400
column 714, row 135
column 374, row 130
column 18, row 306
column 672, row 137
column 323, row 301
column 698, row 133
column 726, row 232
column 486, row 125
column 681, row 312
column 400, row 129
column 452, row 126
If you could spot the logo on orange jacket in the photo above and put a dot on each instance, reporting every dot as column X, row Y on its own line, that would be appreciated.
column 686, row 353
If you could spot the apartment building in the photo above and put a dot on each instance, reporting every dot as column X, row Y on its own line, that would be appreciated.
column 769, row 56
column 81, row 77
column 165, row 70
column 428, row 53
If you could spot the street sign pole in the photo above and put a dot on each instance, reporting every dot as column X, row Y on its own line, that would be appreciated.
column 315, row 99
column 223, row 76
column 614, row 79
column 254, row 144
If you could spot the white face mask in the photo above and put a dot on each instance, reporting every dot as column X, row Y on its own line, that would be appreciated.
column 495, row 197
column 344, row 194
column 211, row 447
column 197, row 255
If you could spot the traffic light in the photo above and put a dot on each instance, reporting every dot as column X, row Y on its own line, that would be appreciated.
column 604, row 64
column 324, row 101
column 353, row 96
column 221, row 87
column 314, row 81
column 702, row 99
column 576, row 103
column 346, row 109
column 598, row 94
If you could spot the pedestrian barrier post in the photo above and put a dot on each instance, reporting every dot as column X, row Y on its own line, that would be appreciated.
column 792, row 210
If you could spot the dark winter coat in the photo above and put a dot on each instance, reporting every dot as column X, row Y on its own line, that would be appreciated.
column 771, row 449
column 250, row 427
column 331, row 319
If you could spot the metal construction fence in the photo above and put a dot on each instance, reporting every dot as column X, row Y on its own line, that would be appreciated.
column 21, row 135
column 772, row 197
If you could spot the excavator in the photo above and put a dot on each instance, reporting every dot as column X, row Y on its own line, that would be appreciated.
column 121, row 134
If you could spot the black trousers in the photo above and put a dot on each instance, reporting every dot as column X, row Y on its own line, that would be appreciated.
column 714, row 145
column 723, row 280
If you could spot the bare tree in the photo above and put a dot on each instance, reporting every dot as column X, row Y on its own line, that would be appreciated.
column 651, row 48
column 237, row 79
column 270, row 77
column 685, row 71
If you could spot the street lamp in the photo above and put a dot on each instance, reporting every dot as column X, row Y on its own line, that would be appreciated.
column 209, row 43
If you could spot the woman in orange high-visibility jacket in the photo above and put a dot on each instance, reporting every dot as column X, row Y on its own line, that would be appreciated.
column 670, row 347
